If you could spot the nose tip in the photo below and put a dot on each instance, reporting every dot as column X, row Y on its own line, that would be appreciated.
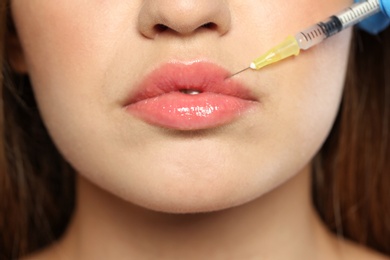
column 183, row 17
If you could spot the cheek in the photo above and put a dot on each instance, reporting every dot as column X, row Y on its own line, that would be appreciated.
column 311, row 91
column 70, row 44
column 303, row 100
column 70, row 47
column 308, row 88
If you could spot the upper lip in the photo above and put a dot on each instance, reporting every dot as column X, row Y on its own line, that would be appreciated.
column 199, row 76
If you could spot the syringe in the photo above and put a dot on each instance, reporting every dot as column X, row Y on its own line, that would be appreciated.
column 315, row 34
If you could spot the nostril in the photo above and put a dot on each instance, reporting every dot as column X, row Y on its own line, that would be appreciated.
column 160, row 28
column 209, row 26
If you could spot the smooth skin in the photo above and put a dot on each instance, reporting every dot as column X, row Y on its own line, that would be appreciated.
column 241, row 191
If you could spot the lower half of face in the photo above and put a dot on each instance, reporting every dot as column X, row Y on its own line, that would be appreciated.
column 134, row 96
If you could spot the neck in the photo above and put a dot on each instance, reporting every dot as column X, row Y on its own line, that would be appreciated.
column 279, row 225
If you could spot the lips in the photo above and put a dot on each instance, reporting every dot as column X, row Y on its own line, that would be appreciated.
column 189, row 97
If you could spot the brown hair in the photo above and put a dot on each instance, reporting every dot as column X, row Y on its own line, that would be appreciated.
column 35, row 204
column 351, row 173
column 351, row 185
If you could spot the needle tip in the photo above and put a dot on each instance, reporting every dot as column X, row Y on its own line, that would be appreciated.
column 238, row 72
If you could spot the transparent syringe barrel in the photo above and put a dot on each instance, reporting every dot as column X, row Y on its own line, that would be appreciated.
column 310, row 37
column 336, row 23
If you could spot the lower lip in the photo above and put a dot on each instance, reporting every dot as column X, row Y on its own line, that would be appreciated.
column 181, row 111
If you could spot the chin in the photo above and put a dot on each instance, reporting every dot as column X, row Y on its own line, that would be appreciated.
column 191, row 206
column 194, row 198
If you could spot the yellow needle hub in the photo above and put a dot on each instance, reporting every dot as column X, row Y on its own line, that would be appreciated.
column 287, row 48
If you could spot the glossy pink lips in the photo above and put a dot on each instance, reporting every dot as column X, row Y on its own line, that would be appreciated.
column 189, row 97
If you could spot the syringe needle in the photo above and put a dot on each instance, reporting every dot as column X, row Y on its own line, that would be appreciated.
column 287, row 48
column 238, row 72
column 315, row 34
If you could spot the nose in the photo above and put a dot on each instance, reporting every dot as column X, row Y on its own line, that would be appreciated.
column 183, row 17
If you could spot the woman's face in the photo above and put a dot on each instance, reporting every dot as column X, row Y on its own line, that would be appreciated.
column 109, row 75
